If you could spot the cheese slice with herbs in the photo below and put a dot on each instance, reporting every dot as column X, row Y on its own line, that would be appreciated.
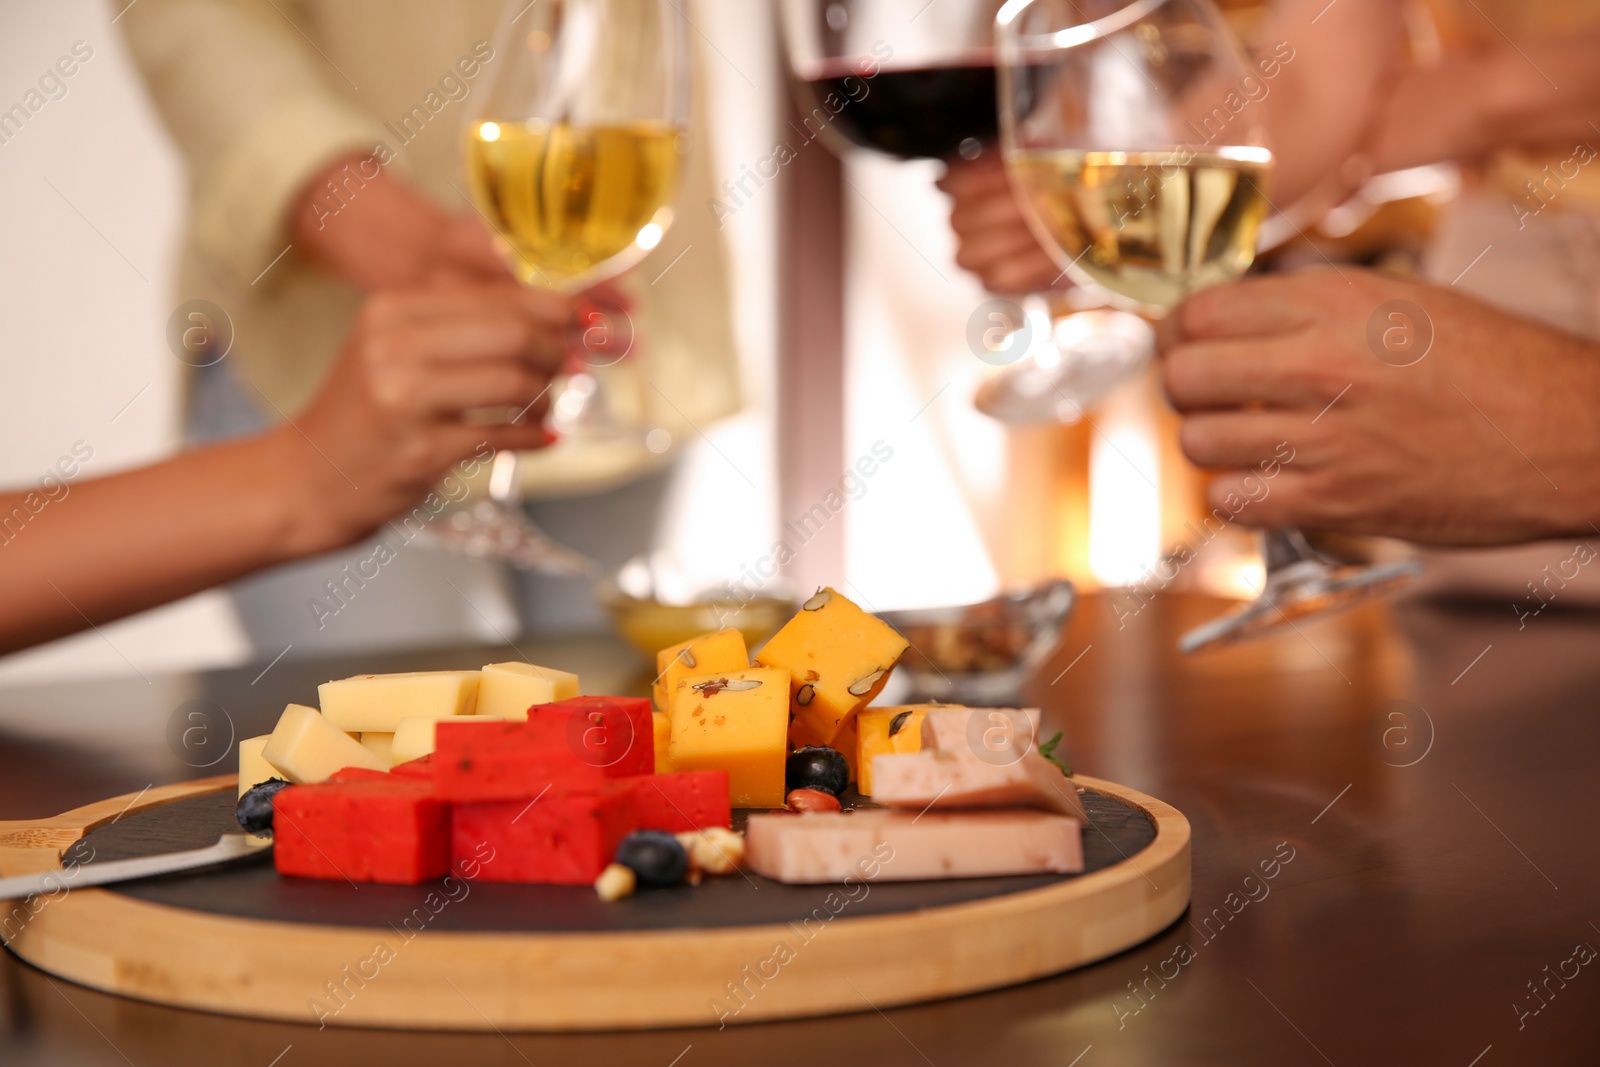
column 939, row 780
column 873, row 845
column 994, row 732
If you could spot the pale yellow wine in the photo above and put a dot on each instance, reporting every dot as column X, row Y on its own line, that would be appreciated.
column 568, row 198
column 1151, row 227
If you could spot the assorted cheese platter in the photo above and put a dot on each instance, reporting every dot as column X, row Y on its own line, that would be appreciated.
column 493, row 848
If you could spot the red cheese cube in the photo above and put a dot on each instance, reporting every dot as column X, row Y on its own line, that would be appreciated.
column 615, row 734
column 558, row 839
column 688, row 800
column 390, row 832
column 359, row 774
column 506, row 761
column 420, row 769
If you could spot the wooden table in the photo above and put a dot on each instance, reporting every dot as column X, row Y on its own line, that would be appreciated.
column 1421, row 784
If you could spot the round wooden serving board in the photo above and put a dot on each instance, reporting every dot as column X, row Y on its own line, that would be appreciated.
column 472, row 956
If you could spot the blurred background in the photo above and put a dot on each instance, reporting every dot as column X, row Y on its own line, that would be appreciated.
column 91, row 201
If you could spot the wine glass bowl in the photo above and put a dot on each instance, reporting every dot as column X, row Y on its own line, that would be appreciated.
column 1131, row 165
column 930, row 95
column 902, row 78
column 1128, row 130
column 573, row 204
column 572, row 149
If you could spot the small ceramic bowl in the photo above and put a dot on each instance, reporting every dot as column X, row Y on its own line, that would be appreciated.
column 981, row 654
column 652, row 607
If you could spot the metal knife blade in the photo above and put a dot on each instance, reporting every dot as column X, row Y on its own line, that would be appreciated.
column 228, row 849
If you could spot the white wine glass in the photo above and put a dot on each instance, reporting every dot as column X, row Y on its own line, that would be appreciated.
column 573, row 149
column 1142, row 172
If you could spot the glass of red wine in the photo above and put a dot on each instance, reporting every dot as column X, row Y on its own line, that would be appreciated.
column 904, row 90
column 915, row 80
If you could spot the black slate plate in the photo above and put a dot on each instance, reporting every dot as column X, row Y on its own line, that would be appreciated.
column 254, row 890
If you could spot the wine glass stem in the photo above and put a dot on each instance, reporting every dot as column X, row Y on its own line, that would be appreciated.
column 1037, row 321
column 1288, row 555
column 503, row 486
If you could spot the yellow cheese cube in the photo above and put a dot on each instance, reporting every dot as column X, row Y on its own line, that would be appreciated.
column 840, row 658
column 380, row 745
column 875, row 739
column 508, row 690
column 253, row 766
column 847, row 742
column 722, row 650
column 308, row 748
column 736, row 722
column 413, row 739
column 663, row 728
column 379, row 701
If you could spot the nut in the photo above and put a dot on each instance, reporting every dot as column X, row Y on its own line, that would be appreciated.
column 687, row 657
column 714, row 686
column 714, row 850
column 817, row 601
column 616, row 882
column 862, row 686
column 811, row 800
column 806, row 694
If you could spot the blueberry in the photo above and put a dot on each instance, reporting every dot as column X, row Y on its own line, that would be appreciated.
column 655, row 857
column 255, row 807
column 816, row 767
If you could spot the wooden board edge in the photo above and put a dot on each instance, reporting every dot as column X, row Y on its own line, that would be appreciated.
column 611, row 980
column 30, row 846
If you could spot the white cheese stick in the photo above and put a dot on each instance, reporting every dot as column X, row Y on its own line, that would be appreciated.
column 253, row 766
column 508, row 690
column 413, row 739
column 378, row 702
column 900, row 846
column 380, row 745
column 308, row 748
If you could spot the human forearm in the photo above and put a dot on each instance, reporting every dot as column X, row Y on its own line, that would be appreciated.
column 1454, row 424
column 247, row 100
column 1324, row 103
column 398, row 412
column 1470, row 105
column 123, row 543
column 357, row 222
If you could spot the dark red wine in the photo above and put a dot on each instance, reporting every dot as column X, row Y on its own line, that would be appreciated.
column 908, row 112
